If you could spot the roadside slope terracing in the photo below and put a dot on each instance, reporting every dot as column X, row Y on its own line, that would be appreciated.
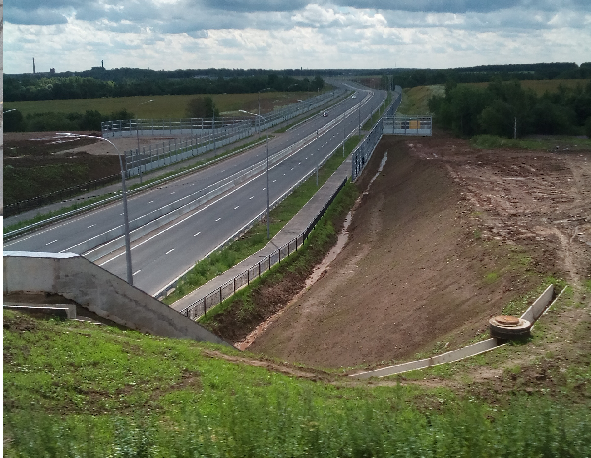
column 446, row 237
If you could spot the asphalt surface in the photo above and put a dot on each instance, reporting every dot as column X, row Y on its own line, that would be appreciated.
column 160, row 257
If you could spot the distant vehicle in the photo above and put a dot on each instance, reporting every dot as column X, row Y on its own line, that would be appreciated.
column 354, row 96
column 325, row 114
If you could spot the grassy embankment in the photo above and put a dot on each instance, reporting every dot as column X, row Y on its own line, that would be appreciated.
column 92, row 390
column 256, row 237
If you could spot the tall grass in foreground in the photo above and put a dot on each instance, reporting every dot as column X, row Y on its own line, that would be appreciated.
column 281, row 424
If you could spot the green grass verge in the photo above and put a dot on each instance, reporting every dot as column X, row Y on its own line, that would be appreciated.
column 73, row 389
column 492, row 141
column 378, row 114
column 245, row 307
column 256, row 237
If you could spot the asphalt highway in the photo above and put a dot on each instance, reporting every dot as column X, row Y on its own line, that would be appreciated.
column 163, row 255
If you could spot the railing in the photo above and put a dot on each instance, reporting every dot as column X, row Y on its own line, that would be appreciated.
column 217, row 296
column 363, row 152
column 206, row 134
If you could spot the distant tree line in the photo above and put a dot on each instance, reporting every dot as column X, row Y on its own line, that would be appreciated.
column 31, row 87
column 485, row 73
column 469, row 110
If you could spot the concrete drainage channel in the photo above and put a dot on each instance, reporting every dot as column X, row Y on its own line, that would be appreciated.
column 531, row 315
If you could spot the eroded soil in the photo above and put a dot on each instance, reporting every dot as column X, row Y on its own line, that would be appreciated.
column 445, row 238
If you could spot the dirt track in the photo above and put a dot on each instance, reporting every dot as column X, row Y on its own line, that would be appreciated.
column 446, row 237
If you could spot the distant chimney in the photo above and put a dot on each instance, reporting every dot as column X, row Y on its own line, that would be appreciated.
column 102, row 66
column 33, row 65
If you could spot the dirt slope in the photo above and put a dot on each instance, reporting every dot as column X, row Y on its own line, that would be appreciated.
column 446, row 237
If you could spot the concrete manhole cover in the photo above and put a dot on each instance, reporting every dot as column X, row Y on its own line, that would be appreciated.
column 507, row 320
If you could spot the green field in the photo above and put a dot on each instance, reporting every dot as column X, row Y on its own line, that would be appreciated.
column 162, row 106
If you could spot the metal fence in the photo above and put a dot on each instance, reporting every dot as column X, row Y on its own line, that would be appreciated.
column 408, row 125
column 363, row 152
column 217, row 296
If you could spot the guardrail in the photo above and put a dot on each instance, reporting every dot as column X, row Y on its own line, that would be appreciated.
column 217, row 296
column 361, row 155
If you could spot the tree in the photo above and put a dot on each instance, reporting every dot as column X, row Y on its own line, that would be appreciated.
column 202, row 107
column 14, row 121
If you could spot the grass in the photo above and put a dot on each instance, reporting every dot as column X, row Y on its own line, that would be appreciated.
column 92, row 391
column 163, row 106
column 378, row 114
column 416, row 100
column 255, row 238
column 550, row 143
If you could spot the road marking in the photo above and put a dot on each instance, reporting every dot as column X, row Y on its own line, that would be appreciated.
column 91, row 226
column 170, row 251
column 137, row 272
column 217, row 220
column 236, row 207
column 250, row 198
column 195, row 235
column 53, row 241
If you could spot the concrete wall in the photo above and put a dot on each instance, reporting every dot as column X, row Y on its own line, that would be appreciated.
column 103, row 293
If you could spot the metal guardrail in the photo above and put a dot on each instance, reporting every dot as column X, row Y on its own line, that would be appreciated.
column 217, row 296
column 361, row 155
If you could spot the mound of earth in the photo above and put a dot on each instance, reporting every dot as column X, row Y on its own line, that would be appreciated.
column 443, row 239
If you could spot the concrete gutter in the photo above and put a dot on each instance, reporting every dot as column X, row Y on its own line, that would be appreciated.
column 533, row 312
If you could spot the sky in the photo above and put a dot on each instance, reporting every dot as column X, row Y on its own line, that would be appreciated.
column 75, row 35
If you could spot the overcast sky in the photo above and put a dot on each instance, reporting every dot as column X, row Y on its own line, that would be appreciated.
column 276, row 34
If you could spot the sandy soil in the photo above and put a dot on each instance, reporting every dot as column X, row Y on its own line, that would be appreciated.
column 444, row 238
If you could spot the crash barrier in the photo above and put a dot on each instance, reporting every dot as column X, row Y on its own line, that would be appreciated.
column 531, row 314
column 97, row 290
column 408, row 125
column 361, row 155
column 217, row 296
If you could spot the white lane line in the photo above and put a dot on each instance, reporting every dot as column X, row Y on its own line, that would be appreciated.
column 170, row 251
column 195, row 235
column 250, row 198
column 217, row 220
column 91, row 226
column 236, row 207
column 53, row 241
column 137, row 272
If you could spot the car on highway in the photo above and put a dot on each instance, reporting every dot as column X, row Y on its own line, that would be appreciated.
column 325, row 114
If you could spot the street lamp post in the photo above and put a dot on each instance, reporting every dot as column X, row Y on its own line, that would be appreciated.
column 267, row 172
column 124, row 192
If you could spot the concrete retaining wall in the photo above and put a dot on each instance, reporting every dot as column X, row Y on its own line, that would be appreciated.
column 103, row 293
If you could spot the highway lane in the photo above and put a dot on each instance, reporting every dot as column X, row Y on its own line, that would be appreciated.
column 67, row 236
column 167, row 253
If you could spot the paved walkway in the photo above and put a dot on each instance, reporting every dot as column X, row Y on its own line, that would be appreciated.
column 290, row 231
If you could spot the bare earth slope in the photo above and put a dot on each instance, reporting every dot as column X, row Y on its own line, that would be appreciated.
column 445, row 238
